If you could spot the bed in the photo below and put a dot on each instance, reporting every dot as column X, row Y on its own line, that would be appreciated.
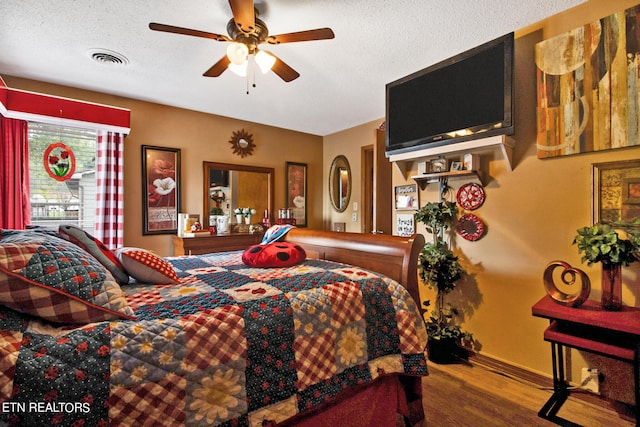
column 335, row 336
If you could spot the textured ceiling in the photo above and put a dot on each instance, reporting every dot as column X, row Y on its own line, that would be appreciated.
column 342, row 81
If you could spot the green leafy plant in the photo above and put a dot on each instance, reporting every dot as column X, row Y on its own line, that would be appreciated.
column 603, row 243
column 440, row 269
column 216, row 211
column 437, row 216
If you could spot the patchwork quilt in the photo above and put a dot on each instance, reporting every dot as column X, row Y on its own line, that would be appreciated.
column 228, row 345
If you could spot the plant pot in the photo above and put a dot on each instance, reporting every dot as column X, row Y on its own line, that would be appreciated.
column 239, row 219
column 611, row 287
column 247, row 219
column 443, row 351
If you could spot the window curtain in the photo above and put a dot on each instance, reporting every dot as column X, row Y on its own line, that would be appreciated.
column 15, row 207
column 109, row 197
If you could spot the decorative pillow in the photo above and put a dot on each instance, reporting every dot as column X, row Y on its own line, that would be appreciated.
column 96, row 248
column 147, row 267
column 54, row 279
column 278, row 254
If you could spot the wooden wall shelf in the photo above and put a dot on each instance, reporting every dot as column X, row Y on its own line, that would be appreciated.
column 499, row 143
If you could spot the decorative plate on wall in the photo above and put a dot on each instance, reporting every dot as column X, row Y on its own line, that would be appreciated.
column 470, row 196
column 470, row 227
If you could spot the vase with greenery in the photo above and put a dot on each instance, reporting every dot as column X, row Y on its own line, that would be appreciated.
column 440, row 269
column 614, row 249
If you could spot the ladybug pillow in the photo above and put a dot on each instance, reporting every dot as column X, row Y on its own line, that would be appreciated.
column 277, row 254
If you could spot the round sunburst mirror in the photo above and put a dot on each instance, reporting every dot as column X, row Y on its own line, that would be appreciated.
column 242, row 143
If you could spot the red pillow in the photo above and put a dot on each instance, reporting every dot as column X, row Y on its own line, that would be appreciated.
column 277, row 254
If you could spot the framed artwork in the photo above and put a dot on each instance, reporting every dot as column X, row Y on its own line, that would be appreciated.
column 588, row 87
column 616, row 191
column 296, row 191
column 406, row 196
column 160, row 189
column 405, row 224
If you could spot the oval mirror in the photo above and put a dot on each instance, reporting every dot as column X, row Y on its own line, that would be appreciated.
column 340, row 183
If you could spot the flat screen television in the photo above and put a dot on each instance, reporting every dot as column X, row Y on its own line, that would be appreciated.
column 464, row 97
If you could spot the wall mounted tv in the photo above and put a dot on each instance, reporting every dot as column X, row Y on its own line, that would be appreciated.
column 464, row 97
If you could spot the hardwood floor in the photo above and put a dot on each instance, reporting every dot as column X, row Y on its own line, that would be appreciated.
column 472, row 396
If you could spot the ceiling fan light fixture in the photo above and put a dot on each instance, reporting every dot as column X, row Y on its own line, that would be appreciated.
column 237, row 53
column 265, row 61
column 239, row 69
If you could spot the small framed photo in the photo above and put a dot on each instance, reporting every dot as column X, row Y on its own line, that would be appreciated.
column 406, row 196
column 422, row 168
column 456, row 166
column 439, row 165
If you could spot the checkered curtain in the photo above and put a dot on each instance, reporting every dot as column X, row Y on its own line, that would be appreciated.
column 15, row 209
column 109, row 197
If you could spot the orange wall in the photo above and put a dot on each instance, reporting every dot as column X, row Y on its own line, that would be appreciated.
column 531, row 213
column 201, row 137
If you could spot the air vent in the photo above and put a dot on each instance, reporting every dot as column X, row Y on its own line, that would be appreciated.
column 105, row 56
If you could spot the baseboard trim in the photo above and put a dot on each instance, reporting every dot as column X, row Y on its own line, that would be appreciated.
column 542, row 381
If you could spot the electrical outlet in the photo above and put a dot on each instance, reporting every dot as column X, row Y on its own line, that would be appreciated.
column 590, row 380
column 354, row 217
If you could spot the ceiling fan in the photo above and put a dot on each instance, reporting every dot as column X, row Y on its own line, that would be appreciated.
column 246, row 32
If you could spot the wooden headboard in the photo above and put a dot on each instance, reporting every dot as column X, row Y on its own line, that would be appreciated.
column 393, row 256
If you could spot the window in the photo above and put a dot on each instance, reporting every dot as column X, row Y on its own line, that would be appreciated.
column 73, row 200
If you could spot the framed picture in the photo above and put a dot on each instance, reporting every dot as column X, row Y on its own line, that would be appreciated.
column 406, row 196
column 405, row 225
column 296, row 191
column 616, row 191
column 456, row 166
column 160, row 189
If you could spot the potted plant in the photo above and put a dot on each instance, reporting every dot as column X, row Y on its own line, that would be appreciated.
column 614, row 249
column 440, row 269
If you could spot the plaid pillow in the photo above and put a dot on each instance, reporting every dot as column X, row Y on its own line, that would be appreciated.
column 51, row 278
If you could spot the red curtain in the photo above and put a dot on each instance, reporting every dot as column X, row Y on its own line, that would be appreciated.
column 110, row 197
column 15, row 208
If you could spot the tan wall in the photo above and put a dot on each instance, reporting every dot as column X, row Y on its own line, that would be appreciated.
column 348, row 143
column 531, row 213
column 201, row 137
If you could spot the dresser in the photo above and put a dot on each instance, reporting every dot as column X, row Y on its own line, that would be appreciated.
column 214, row 243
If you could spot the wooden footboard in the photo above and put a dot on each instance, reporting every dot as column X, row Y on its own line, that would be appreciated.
column 393, row 256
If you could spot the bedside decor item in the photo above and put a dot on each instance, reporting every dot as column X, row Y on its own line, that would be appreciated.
column 603, row 243
column 160, row 189
column 296, row 191
column 242, row 143
column 568, row 277
column 470, row 196
column 470, row 227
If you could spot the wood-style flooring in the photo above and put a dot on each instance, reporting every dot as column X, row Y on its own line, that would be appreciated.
column 470, row 395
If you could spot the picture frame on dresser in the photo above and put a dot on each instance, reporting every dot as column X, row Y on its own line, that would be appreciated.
column 160, row 189
column 615, row 191
column 296, row 191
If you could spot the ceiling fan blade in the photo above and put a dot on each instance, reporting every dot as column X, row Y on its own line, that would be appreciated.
column 243, row 14
column 301, row 36
column 283, row 71
column 218, row 68
column 188, row 32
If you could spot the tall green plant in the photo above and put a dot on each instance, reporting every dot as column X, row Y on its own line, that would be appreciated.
column 440, row 269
